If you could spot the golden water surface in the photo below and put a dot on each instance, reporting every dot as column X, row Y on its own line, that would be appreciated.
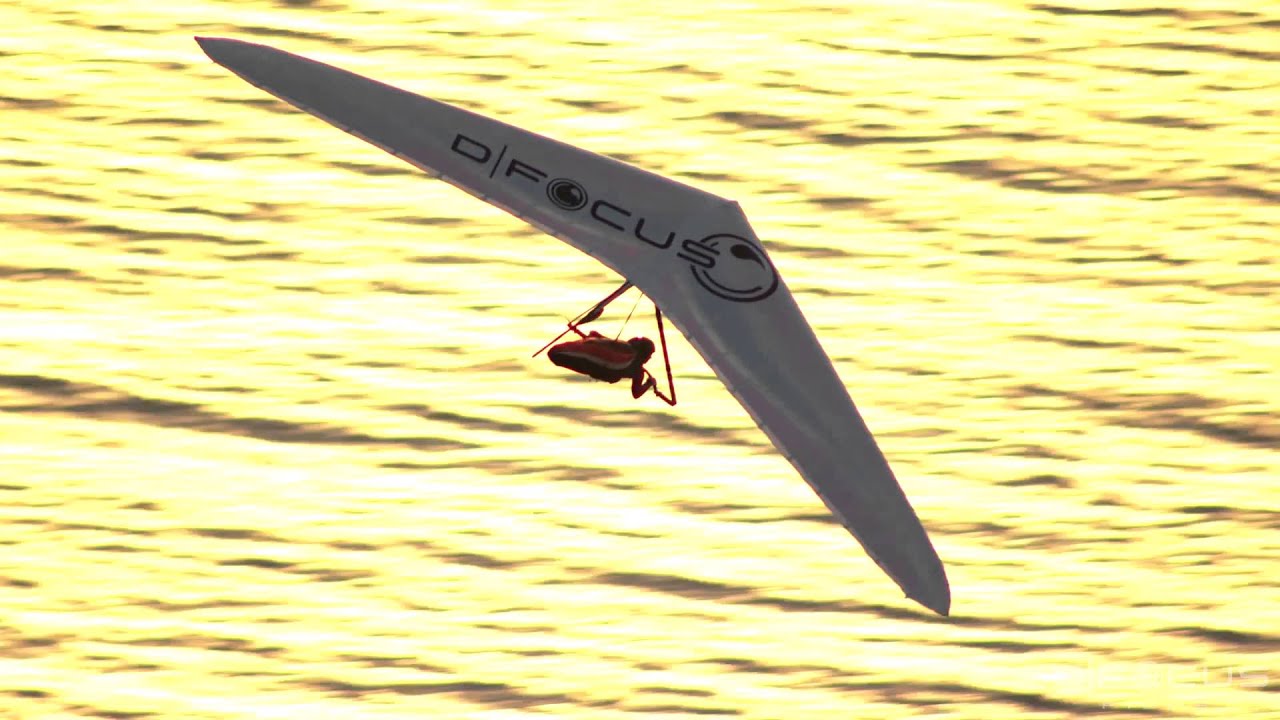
column 273, row 446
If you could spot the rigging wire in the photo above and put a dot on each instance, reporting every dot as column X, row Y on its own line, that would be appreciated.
column 634, row 305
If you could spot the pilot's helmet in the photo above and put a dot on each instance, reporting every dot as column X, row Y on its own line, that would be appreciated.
column 643, row 347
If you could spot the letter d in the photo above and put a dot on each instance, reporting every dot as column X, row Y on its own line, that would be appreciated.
column 470, row 147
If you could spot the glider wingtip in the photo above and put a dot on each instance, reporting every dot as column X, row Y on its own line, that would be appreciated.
column 217, row 48
column 210, row 44
column 939, row 602
column 943, row 608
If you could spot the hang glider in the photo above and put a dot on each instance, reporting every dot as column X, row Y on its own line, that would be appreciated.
column 693, row 253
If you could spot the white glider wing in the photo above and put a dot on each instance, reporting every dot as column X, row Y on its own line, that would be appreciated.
column 693, row 253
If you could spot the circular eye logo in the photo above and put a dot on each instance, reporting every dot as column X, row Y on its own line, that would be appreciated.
column 738, row 270
column 567, row 194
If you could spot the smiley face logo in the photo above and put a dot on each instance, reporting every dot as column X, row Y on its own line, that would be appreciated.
column 567, row 193
column 730, row 267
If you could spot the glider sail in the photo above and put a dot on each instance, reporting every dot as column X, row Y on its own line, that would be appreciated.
column 693, row 253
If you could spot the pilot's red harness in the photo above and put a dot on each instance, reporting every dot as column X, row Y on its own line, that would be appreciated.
column 597, row 356
column 609, row 360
